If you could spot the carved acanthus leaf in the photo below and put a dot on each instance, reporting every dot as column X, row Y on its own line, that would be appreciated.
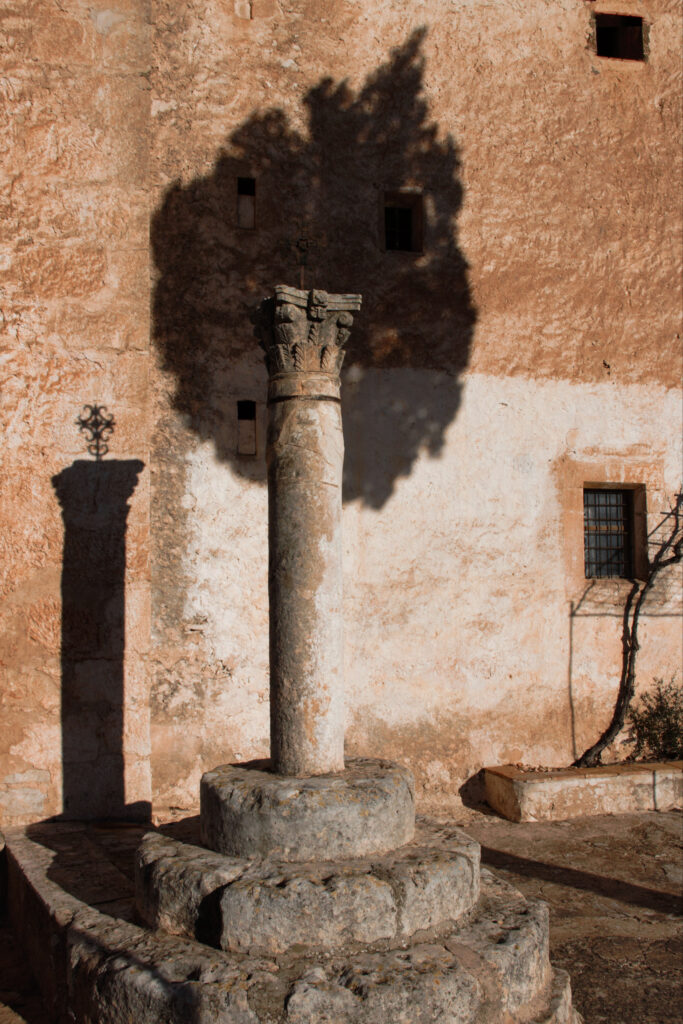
column 305, row 331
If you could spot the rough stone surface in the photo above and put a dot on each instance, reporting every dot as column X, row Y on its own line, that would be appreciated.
column 561, row 1009
column 74, row 328
column 251, row 812
column 612, row 883
column 512, row 938
column 483, row 970
column 420, row 985
column 612, row 789
column 262, row 905
column 303, row 334
column 103, row 969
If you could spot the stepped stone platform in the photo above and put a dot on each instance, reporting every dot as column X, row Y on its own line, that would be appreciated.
column 249, row 810
column 266, row 905
column 72, row 905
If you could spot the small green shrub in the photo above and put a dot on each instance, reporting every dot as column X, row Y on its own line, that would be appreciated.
column 658, row 722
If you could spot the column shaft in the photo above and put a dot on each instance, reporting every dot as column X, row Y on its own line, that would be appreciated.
column 305, row 456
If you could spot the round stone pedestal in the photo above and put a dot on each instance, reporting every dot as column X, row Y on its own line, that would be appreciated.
column 262, row 905
column 251, row 812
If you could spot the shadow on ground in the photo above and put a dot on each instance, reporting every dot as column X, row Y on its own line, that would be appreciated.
column 613, row 884
column 612, row 888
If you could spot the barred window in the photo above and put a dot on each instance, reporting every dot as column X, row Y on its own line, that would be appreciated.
column 608, row 533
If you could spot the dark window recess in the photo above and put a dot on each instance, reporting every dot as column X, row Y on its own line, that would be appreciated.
column 403, row 221
column 246, row 410
column 246, row 202
column 398, row 228
column 608, row 533
column 246, row 428
column 619, row 35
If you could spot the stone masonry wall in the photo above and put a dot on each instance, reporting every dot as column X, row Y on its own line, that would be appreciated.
column 532, row 347
column 74, row 295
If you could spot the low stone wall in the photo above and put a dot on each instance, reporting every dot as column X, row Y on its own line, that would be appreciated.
column 574, row 792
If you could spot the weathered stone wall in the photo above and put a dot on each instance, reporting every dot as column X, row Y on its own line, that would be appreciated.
column 74, row 295
column 533, row 347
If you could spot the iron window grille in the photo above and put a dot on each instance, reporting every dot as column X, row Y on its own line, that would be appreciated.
column 608, row 533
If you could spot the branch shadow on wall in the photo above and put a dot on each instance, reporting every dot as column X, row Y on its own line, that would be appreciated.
column 94, row 499
column 319, row 196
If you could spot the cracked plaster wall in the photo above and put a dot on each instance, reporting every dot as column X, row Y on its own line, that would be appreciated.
column 460, row 553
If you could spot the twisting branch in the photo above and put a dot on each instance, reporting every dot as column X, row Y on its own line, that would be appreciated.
column 668, row 553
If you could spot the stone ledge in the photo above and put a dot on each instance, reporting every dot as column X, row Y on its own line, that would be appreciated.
column 97, row 969
column 248, row 811
column 573, row 792
column 269, row 906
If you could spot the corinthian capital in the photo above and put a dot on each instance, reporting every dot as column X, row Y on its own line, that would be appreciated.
column 305, row 331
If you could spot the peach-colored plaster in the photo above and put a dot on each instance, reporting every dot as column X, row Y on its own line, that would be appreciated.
column 532, row 347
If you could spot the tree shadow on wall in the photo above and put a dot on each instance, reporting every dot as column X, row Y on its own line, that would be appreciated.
column 319, row 201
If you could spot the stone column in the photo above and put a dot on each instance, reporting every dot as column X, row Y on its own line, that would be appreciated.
column 303, row 334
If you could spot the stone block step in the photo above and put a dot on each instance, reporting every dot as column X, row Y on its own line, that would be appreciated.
column 247, row 811
column 562, row 793
column 99, row 968
column 268, row 906
column 496, row 969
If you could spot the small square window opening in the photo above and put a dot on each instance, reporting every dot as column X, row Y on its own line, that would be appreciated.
column 608, row 533
column 246, row 428
column 620, row 36
column 403, row 220
column 246, row 202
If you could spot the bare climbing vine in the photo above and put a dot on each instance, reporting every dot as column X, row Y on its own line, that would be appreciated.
column 668, row 553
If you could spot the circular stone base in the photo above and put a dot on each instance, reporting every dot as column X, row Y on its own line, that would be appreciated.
column 250, row 812
column 267, row 906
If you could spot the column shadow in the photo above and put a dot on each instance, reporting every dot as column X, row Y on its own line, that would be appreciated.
column 321, row 178
column 559, row 874
column 94, row 499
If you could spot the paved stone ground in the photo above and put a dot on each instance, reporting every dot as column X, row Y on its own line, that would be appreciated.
column 614, row 886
